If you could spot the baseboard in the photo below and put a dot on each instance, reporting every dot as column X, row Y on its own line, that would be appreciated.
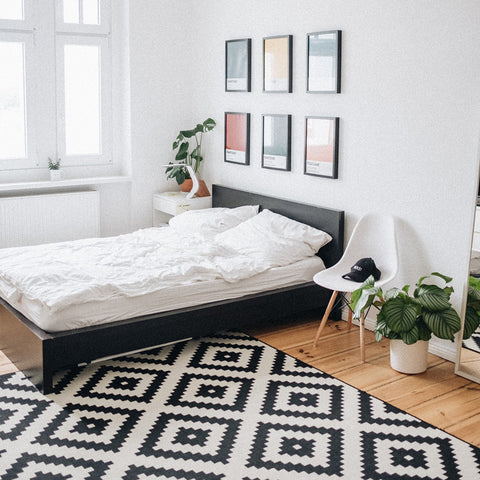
column 444, row 349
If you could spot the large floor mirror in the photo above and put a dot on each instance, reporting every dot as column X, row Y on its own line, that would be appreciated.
column 468, row 358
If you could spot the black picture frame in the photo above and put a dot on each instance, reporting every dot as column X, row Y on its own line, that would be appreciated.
column 321, row 146
column 277, row 142
column 324, row 65
column 237, row 138
column 238, row 65
column 278, row 64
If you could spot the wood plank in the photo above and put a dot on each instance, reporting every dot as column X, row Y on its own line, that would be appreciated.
column 5, row 365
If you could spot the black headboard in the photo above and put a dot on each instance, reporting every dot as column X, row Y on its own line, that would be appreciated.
column 326, row 219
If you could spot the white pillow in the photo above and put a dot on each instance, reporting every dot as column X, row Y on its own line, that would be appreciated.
column 292, row 229
column 274, row 238
column 210, row 221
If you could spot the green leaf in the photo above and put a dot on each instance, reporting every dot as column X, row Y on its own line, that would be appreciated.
column 424, row 332
column 443, row 324
column 444, row 277
column 474, row 282
column 182, row 152
column 473, row 294
column 209, row 124
column 434, row 274
column 400, row 314
column 382, row 330
column 378, row 336
column 196, row 152
column 181, row 156
column 392, row 293
column 411, row 336
column 472, row 321
column 365, row 301
column 433, row 298
column 356, row 294
column 188, row 133
column 180, row 176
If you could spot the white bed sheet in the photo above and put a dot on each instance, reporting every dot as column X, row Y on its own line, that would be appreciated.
column 168, row 298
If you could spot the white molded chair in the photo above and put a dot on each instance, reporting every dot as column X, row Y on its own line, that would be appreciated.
column 373, row 236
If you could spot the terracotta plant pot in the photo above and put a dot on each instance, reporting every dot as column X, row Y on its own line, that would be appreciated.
column 187, row 185
column 202, row 189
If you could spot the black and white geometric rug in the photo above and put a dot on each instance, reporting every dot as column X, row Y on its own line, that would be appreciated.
column 225, row 407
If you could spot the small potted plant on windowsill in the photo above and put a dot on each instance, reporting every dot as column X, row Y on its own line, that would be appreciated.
column 193, row 157
column 54, row 168
column 409, row 320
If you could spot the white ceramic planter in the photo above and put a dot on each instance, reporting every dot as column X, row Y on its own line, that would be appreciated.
column 409, row 358
column 56, row 175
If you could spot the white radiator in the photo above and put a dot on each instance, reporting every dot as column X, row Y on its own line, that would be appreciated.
column 45, row 218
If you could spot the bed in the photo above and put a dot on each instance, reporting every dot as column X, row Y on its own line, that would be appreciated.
column 39, row 354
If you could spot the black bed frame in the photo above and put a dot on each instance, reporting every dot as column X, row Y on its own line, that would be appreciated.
column 39, row 354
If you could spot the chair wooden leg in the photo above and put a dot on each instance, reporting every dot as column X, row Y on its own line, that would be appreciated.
column 349, row 321
column 325, row 316
column 362, row 338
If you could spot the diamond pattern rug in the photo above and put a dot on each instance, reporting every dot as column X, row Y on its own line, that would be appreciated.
column 225, row 407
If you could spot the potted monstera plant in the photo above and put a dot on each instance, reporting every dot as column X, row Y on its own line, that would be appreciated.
column 409, row 320
column 191, row 155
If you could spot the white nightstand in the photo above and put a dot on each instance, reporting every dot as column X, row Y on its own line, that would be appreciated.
column 173, row 203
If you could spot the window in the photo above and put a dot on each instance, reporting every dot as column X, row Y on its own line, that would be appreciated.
column 12, row 100
column 11, row 9
column 55, row 82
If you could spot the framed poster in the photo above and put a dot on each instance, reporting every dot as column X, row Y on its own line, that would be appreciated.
column 277, row 64
column 237, row 138
column 276, row 150
column 238, row 63
column 324, row 61
column 321, row 146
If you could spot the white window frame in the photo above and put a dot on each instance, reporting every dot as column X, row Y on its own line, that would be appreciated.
column 102, row 29
column 105, row 155
column 25, row 24
column 31, row 158
column 44, row 20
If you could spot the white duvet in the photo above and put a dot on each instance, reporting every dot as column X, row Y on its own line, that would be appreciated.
column 128, row 265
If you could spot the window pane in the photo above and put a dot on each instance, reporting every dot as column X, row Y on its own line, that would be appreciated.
column 90, row 12
column 71, row 11
column 82, row 99
column 12, row 101
column 11, row 9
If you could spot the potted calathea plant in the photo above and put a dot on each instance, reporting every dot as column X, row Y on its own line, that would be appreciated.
column 189, row 155
column 409, row 320
column 472, row 310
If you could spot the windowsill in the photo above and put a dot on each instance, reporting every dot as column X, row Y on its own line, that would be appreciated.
column 74, row 182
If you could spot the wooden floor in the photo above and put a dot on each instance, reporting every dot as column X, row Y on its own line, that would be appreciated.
column 437, row 396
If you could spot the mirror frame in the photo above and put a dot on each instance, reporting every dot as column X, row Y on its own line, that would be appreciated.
column 458, row 360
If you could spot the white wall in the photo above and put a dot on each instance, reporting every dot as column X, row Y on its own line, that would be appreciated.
column 409, row 115
column 160, row 49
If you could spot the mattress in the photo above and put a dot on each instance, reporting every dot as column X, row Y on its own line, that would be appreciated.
column 169, row 298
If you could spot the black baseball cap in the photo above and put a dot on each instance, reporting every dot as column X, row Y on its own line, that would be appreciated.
column 362, row 270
